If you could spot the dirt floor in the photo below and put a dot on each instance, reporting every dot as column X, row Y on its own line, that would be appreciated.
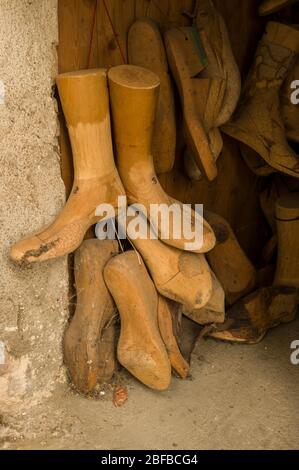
column 239, row 397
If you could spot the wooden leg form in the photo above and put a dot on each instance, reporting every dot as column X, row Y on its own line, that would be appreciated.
column 84, row 97
column 146, row 49
column 134, row 93
column 258, row 122
column 230, row 264
column 140, row 348
column 165, row 321
column 90, row 342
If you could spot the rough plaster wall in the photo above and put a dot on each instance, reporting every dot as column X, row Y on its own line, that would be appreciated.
column 33, row 300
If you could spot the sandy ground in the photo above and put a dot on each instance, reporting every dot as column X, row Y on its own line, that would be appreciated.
column 239, row 397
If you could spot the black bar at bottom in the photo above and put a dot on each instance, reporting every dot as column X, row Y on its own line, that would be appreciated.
column 134, row 459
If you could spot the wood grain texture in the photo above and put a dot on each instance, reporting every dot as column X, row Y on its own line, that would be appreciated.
column 76, row 35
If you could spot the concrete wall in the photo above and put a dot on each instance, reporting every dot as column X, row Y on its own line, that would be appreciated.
column 33, row 300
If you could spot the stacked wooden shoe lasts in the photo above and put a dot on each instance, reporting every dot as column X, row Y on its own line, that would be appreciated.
column 131, row 295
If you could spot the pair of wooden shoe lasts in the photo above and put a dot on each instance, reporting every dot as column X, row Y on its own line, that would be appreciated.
column 84, row 95
column 85, row 101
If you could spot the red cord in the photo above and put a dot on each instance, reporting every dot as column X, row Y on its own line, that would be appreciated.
column 115, row 33
column 92, row 32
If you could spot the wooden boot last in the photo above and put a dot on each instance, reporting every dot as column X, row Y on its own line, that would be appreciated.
column 249, row 319
column 89, row 342
column 146, row 49
column 85, row 102
column 258, row 122
column 140, row 348
column 229, row 262
column 134, row 93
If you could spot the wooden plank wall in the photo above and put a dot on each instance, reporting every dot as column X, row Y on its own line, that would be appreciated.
column 86, row 40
